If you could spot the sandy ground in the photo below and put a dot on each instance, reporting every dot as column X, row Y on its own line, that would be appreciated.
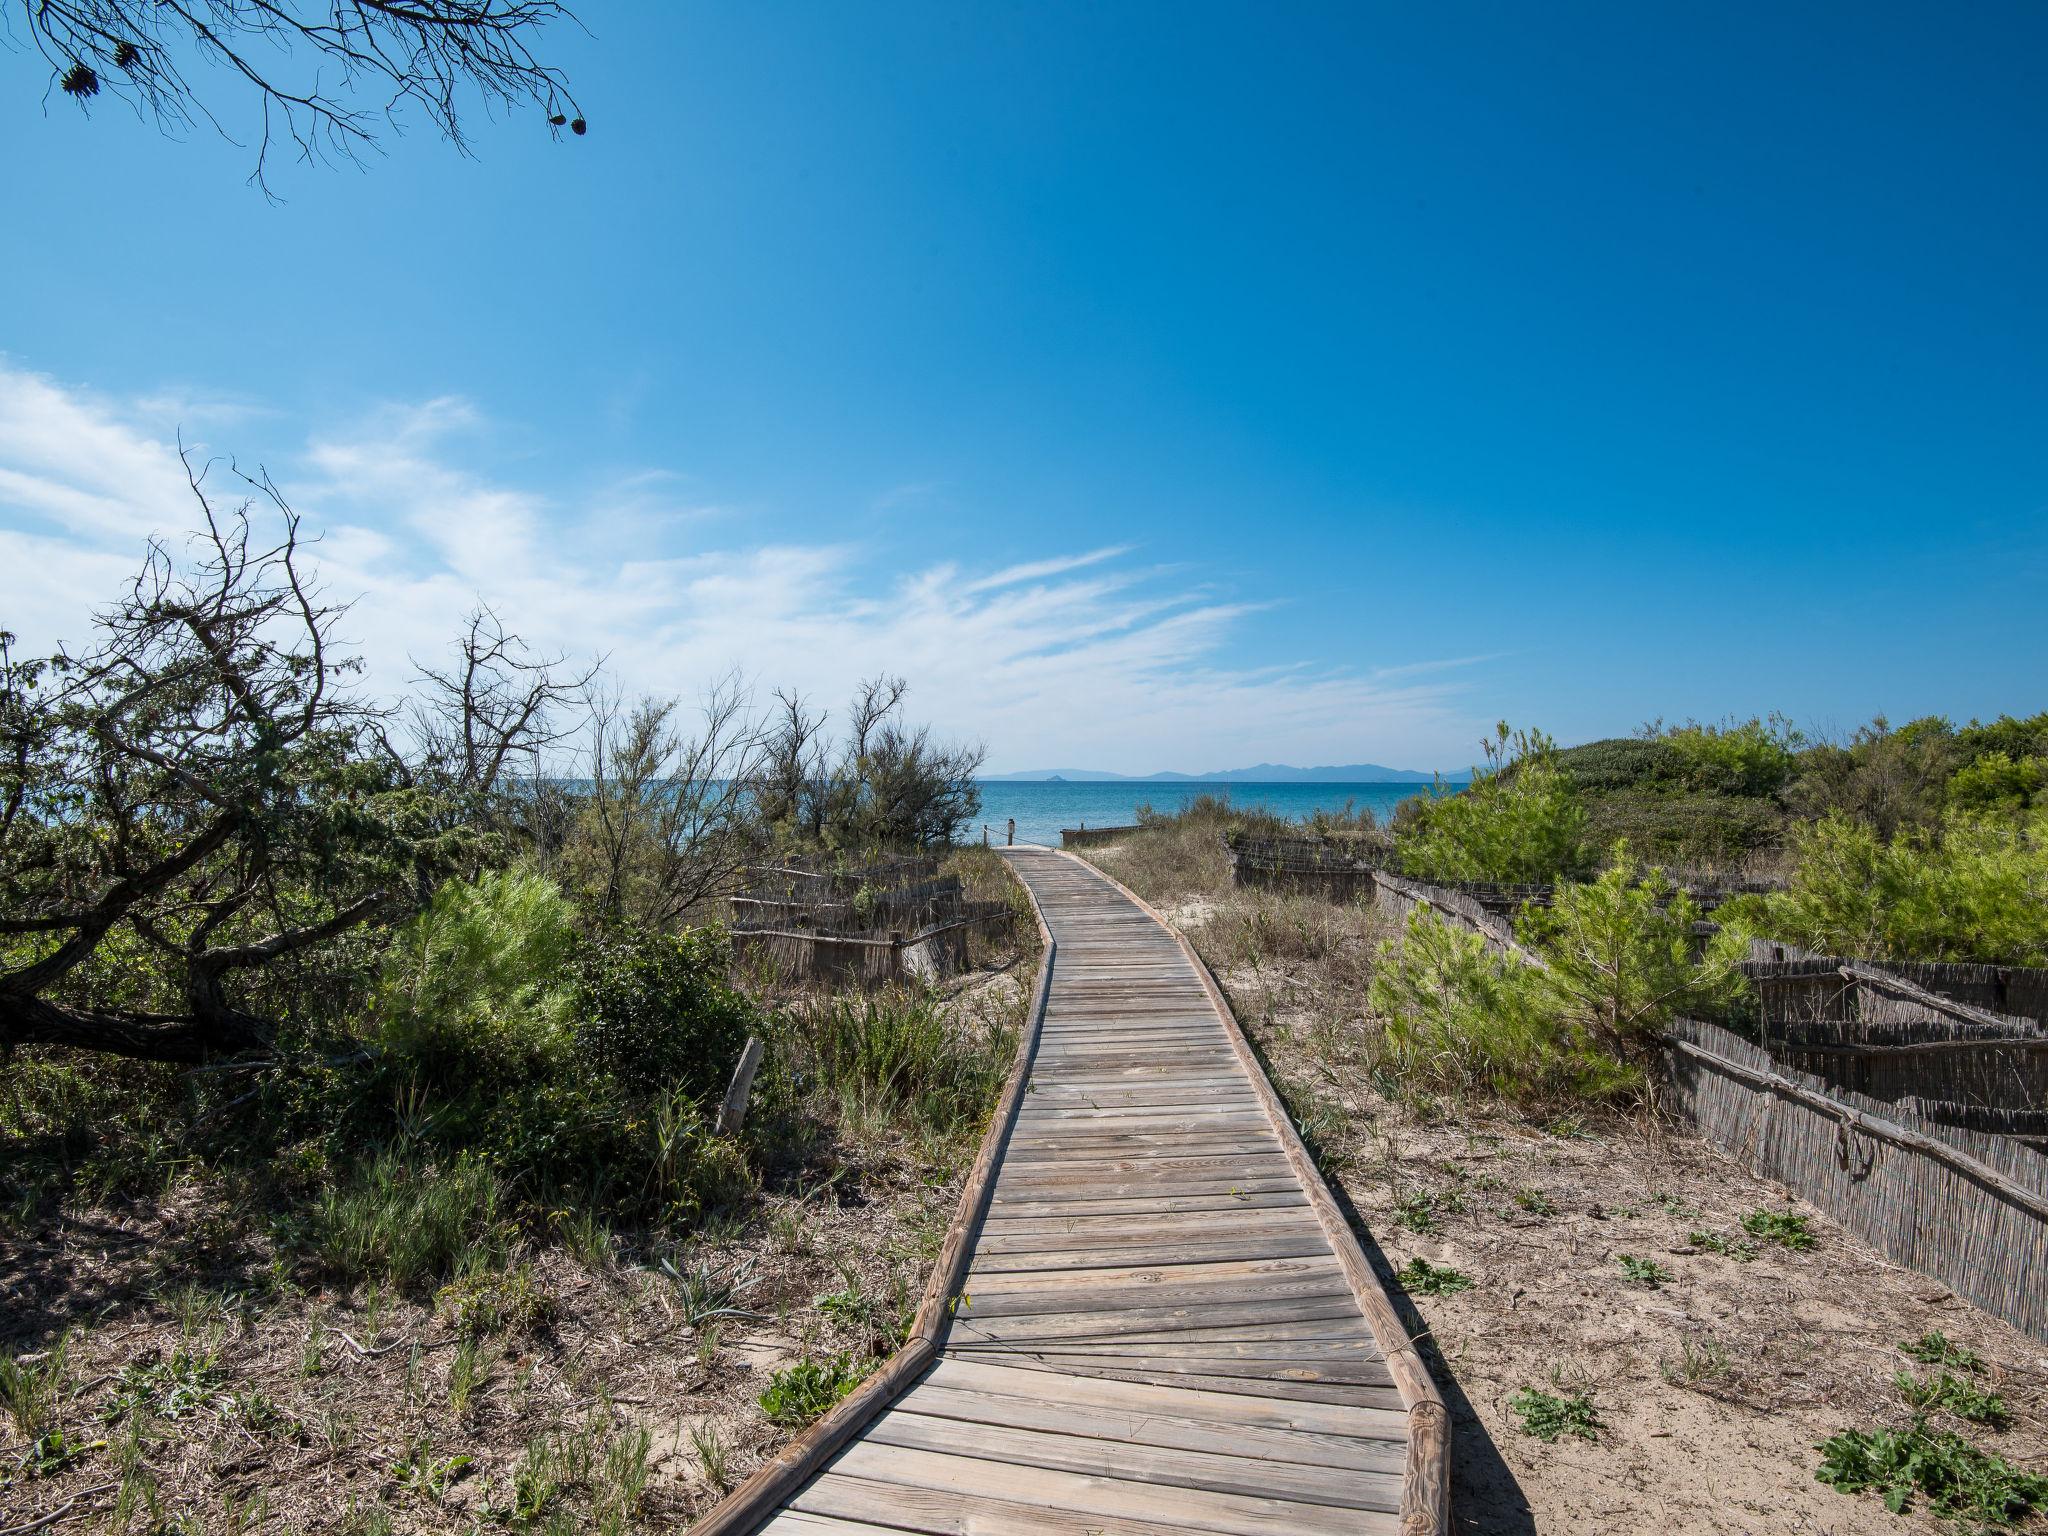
column 316, row 1410
column 1712, row 1387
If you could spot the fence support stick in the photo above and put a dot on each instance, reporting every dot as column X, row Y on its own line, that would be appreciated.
column 734, row 1110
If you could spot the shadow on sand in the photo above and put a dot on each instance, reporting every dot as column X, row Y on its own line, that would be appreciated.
column 1486, row 1499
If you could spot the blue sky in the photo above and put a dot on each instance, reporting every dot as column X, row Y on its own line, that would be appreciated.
column 1155, row 386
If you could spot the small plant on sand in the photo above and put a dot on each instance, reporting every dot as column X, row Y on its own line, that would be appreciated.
column 712, row 1455
column 1419, row 1277
column 800, row 1393
column 421, row 1472
column 1535, row 1202
column 1699, row 1360
column 1977, row 1490
column 1740, row 1249
column 1644, row 1272
column 1548, row 1416
column 1944, row 1393
column 1935, row 1348
column 1784, row 1228
column 1416, row 1212
column 497, row 1301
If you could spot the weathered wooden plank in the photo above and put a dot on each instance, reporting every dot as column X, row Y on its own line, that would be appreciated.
column 1133, row 1461
column 1140, row 1400
column 1073, row 1493
column 1153, row 1427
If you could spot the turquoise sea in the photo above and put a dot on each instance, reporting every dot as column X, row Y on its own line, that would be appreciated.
column 1043, row 809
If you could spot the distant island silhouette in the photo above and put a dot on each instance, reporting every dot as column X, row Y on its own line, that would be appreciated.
column 1258, row 773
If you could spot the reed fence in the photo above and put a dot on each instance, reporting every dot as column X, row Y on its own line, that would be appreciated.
column 885, row 923
column 2016, row 991
column 1340, row 870
column 1401, row 896
column 1966, row 1206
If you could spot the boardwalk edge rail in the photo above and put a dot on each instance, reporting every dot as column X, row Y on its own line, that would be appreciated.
column 1426, row 1484
column 771, row 1484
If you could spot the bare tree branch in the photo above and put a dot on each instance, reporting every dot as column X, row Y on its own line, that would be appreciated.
column 431, row 54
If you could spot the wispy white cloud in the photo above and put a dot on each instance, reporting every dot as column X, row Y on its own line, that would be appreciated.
column 1082, row 658
column 1038, row 570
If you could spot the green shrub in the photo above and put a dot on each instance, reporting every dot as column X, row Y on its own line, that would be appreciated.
column 578, row 1069
column 1888, row 780
column 1977, row 891
column 1520, row 821
column 480, row 982
column 1998, row 783
column 1620, row 960
column 1459, row 1018
column 1752, row 757
column 654, row 1012
column 1956, row 1479
column 1619, row 966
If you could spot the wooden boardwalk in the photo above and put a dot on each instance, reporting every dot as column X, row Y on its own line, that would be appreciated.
column 1163, row 1323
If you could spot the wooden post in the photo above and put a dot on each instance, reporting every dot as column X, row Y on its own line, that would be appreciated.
column 984, row 834
column 734, row 1110
column 1010, row 841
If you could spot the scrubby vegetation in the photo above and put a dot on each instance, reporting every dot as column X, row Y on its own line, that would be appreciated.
column 1617, row 960
column 1518, row 822
column 362, row 1033
column 1491, row 1116
column 1973, row 887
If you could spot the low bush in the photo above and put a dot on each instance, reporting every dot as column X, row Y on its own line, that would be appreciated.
column 1458, row 1019
column 1519, row 822
column 1687, row 826
column 1621, row 960
column 1619, row 964
column 1753, row 757
column 494, row 1301
column 1623, row 763
column 1976, row 890
column 565, row 1063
